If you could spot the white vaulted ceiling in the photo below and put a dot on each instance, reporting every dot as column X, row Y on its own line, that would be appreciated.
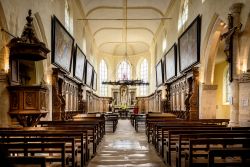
column 111, row 35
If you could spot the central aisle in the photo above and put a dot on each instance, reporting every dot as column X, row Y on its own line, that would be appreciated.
column 126, row 148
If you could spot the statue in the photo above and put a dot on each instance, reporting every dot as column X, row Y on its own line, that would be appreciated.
column 228, row 36
column 123, row 95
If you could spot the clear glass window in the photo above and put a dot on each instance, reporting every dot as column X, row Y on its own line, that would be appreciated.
column 103, row 73
column 144, row 77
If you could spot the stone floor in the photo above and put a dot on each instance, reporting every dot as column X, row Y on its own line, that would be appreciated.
column 126, row 148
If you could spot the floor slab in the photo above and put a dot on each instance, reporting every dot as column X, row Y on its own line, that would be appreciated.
column 126, row 148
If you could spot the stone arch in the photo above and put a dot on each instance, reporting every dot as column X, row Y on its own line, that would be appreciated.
column 208, row 58
column 210, row 49
column 244, row 43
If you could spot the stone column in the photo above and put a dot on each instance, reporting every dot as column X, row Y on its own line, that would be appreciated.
column 244, row 107
column 235, row 10
column 208, row 109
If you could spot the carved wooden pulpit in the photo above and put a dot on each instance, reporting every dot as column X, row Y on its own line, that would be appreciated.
column 28, row 103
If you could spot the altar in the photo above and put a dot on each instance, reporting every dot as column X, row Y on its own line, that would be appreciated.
column 124, row 96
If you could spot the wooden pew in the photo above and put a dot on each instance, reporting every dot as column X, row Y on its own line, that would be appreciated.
column 172, row 135
column 183, row 140
column 70, row 146
column 38, row 148
column 92, row 117
column 151, row 122
column 165, row 135
column 81, row 137
column 199, row 149
column 243, row 153
column 91, row 127
column 31, row 161
column 113, row 118
column 156, row 132
column 139, row 119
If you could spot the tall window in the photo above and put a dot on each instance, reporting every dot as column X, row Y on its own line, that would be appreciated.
column 103, row 73
column 144, row 77
column 68, row 17
column 226, row 90
column 124, row 70
column 183, row 14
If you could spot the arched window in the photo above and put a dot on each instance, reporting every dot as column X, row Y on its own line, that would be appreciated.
column 103, row 73
column 183, row 14
column 144, row 77
column 124, row 71
column 226, row 90
column 68, row 17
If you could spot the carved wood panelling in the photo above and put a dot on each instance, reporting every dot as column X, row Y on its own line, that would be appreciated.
column 151, row 103
column 97, row 104
column 30, row 100
column 14, row 99
column 183, row 95
column 66, row 95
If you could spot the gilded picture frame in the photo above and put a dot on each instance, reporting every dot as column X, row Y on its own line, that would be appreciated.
column 170, row 63
column 88, row 74
column 79, row 63
column 159, row 73
column 62, row 46
column 189, row 46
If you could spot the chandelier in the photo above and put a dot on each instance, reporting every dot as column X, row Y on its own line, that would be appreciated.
column 133, row 82
column 125, row 81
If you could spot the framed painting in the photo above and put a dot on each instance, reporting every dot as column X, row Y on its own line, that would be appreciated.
column 159, row 74
column 189, row 45
column 79, row 63
column 88, row 74
column 62, row 46
column 170, row 64
column 94, row 86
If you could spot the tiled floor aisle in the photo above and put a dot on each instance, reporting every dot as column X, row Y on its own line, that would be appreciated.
column 126, row 148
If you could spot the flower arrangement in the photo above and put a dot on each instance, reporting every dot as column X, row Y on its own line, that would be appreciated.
column 123, row 106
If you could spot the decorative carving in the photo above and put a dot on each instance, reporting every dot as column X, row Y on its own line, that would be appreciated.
column 67, row 95
column 80, row 100
column 43, row 102
column 187, row 97
column 14, row 100
column 28, row 47
column 26, row 104
column 194, row 99
column 30, row 98
column 168, row 99
column 228, row 36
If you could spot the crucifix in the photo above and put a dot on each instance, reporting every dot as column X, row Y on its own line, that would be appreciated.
column 228, row 36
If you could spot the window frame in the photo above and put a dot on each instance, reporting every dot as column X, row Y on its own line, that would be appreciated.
column 103, row 76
